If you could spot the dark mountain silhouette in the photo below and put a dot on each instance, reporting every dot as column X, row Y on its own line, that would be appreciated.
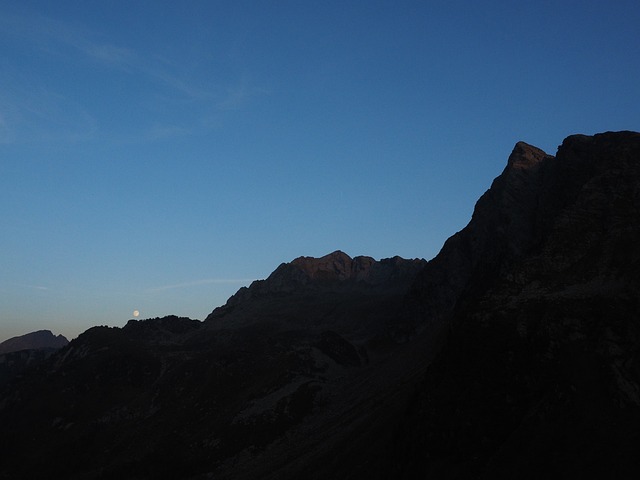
column 33, row 341
column 24, row 352
column 513, row 353
column 540, row 374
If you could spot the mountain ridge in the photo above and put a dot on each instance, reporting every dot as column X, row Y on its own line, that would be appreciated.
column 515, row 351
column 335, row 272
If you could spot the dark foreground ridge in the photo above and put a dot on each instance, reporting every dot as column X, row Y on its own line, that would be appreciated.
column 513, row 353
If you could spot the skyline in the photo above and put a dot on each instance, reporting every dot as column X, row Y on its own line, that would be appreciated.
column 156, row 157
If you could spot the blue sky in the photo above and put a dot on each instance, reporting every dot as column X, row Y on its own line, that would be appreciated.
column 159, row 155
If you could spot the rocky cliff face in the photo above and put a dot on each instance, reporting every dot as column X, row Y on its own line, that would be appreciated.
column 504, row 228
column 540, row 374
column 514, row 353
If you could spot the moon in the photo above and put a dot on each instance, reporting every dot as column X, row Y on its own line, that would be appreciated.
column 136, row 313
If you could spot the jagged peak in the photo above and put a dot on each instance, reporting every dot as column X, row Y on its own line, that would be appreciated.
column 333, row 266
column 332, row 272
column 334, row 257
column 525, row 156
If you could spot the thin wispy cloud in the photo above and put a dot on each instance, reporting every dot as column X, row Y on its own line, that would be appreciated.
column 170, row 90
column 55, row 37
column 161, row 73
column 197, row 283
column 240, row 94
column 41, row 288
column 38, row 114
column 161, row 132
column 110, row 54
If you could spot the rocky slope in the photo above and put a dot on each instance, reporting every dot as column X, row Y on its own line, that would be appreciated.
column 514, row 352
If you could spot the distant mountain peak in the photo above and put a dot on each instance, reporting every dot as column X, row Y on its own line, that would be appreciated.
column 33, row 341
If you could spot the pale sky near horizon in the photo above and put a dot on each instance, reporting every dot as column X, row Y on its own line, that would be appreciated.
column 157, row 156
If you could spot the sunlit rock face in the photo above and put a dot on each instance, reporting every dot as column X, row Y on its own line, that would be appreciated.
column 336, row 271
column 512, row 354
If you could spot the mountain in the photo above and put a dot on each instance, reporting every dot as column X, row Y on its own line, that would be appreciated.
column 358, row 297
column 18, row 354
column 33, row 341
column 540, row 373
column 514, row 352
column 314, row 351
